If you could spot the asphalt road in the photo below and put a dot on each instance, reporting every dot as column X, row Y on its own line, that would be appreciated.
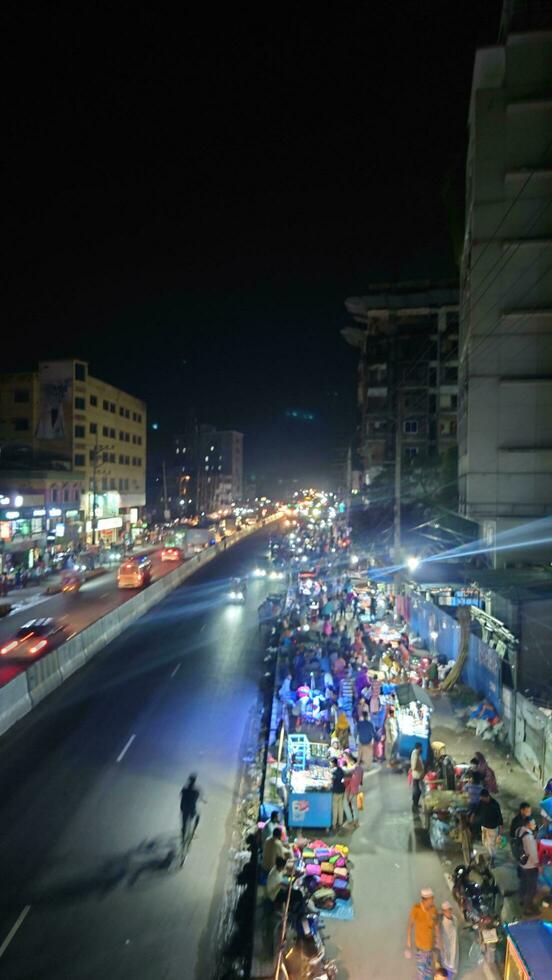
column 90, row 781
column 74, row 610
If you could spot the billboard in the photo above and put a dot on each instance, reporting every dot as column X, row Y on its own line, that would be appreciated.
column 55, row 401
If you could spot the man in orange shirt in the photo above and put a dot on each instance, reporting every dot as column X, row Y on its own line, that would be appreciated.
column 423, row 919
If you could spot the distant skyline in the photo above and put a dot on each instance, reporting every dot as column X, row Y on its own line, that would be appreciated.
column 188, row 205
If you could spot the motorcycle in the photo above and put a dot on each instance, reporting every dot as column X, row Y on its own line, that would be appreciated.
column 305, row 958
column 475, row 890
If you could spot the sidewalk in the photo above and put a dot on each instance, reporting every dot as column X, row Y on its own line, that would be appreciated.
column 515, row 785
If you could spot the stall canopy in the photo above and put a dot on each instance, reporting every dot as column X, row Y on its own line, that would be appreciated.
column 406, row 693
column 533, row 942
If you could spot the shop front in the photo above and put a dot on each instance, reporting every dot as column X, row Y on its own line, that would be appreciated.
column 308, row 783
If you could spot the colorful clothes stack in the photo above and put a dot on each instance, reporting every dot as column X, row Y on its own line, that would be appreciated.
column 326, row 873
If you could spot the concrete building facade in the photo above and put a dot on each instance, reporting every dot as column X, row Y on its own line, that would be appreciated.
column 62, row 417
column 219, row 469
column 505, row 351
column 407, row 335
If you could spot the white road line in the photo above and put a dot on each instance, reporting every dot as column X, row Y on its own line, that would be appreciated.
column 19, row 921
column 175, row 671
column 71, row 635
column 126, row 748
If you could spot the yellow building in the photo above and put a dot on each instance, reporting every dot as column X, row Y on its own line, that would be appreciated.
column 62, row 416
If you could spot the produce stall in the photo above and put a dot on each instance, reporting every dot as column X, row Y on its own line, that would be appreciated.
column 308, row 783
column 413, row 713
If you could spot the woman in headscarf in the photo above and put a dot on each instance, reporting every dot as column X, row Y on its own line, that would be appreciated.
column 486, row 773
column 342, row 730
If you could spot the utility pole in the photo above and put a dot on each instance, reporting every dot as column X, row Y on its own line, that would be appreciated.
column 166, row 509
column 398, row 478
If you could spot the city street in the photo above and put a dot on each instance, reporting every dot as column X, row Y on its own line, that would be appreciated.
column 74, row 610
column 91, row 884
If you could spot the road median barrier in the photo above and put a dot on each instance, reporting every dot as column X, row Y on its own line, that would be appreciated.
column 14, row 702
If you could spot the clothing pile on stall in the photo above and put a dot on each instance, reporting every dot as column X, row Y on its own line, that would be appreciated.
column 327, row 877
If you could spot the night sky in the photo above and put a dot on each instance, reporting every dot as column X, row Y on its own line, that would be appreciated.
column 189, row 201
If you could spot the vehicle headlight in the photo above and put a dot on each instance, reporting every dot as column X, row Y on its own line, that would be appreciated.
column 231, row 595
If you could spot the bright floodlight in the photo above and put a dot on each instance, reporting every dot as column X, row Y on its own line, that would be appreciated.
column 412, row 563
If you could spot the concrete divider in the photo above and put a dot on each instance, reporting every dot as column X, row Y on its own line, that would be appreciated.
column 14, row 702
column 43, row 676
column 48, row 673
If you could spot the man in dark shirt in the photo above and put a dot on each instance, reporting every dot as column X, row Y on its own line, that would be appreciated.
column 524, row 810
column 338, row 794
column 489, row 816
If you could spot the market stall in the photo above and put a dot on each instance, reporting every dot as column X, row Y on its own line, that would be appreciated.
column 413, row 713
column 528, row 951
column 308, row 783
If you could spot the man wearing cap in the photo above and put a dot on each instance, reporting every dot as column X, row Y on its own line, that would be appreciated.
column 447, row 940
column 423, row 919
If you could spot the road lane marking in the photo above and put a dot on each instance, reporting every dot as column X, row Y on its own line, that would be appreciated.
column 126, row 748
column 71, row 635
column 19, row 921
column 175, row 671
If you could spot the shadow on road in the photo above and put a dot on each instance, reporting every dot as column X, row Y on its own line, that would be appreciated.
column 142, row 865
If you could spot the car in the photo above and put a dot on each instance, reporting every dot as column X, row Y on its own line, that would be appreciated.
column 134, row 573
column 34, row 639
column 237, row 591
column 171, row 553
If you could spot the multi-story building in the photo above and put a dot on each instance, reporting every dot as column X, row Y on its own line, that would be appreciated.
column 505, row 354
column 63, row 417
column 407, row 381
column 219, row 469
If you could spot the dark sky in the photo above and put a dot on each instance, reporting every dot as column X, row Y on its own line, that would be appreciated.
column 189, row 200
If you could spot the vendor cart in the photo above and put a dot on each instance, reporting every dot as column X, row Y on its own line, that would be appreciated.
column 308, row 783
column 413, row 718
column 528, row 951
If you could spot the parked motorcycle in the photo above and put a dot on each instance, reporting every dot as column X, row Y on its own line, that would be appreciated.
column 305, row 959
column 475, row 890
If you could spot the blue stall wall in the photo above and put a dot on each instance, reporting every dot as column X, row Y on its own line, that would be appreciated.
column 482, row 670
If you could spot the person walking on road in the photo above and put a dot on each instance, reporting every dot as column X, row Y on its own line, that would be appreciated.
column 423, row 920
column 353, row 787
column 489, row 816
column 447, row 940
column 338, row 795
column 417, row 774
column 528, row 866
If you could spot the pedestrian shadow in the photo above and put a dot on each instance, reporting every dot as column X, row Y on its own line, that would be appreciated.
column 141, row 866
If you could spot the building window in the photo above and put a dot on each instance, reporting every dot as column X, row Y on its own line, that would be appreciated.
column 411, row 426
column 411, row 451
column 112, row 433
column 54, row 496
column 93, row 401
column 21, row 425
column 139, row 440
column 105, row 431
column 121, row 411
column 139, row 417
column 127, row 437
column 21, row 395
column 93, row 428
column 65, row 496
column 80, row 372
column 134, row 440
column 127, row 413
column 91, row 455
column 113, row 484
column 105, row 457
column 121, row 460
column 80, row 404
column 104, row 484
column 112, row 407
column 80, row 431
column 112, row 457
column 105, row 405
column 79, row 459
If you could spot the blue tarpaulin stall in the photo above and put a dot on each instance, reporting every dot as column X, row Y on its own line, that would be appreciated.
column 528, row 951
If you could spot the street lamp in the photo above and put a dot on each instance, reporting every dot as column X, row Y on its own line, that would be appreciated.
column 412, row 563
